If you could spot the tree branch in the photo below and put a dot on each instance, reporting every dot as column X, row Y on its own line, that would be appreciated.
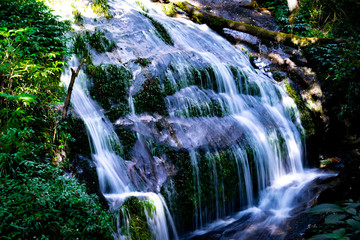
column 71, row 85
column 218, row 23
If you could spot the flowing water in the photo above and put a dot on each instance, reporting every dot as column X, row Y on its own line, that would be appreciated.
column 228, row 143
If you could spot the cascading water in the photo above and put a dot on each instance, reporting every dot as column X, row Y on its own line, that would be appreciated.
column 229, row 137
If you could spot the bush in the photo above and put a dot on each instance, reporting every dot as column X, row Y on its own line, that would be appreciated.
column 37, row 200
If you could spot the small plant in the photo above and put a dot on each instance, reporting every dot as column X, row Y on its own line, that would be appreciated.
column 81, row 48
column 135, row 211
column 142, row 6
column 96, row 40
column 161, row 31
column 101, row 7
column 142, row 61
column 342, row 221
column 169, row 9
column 77, row 16
column 99, row 42
column 110, row 88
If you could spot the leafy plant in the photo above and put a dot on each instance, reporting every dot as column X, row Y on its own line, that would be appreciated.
column 38, row 201
column 169, row 9
column 101, row 7
column 342, row 221
column 97, row 40
column 77, row 16
column 143, row 61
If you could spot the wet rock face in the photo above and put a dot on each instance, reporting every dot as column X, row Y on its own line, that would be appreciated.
column 186, row 133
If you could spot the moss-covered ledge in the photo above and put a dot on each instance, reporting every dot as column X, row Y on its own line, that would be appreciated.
column 218, row 23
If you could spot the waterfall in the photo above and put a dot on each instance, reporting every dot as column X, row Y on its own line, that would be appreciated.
column 224, row 144
column 111, row 169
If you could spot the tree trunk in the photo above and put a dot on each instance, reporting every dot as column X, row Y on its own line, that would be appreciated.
column 71, row 85
column 218, row 23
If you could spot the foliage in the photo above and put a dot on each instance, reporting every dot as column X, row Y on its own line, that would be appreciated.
column 97, row 40
column 142, row 61
column 37, row 201
column 135, row 210
column 342, row 221
column 110, row 88
column 150, row 98
column 161, row 31
column 77, row 16
column 101, row 7
column 169, row 9
column 337, row 66
column 142, row 6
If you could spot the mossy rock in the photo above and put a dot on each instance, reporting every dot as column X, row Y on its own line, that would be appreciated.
column 134, row 209
column 150, row 98
column 128, row 139
column 110, row 88
column 161, row 31
column 305, row 113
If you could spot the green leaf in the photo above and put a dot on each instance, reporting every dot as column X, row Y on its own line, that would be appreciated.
column 326, row 208
column 334, row 218
column 353, row 223
column 337, row 234
column 352, row 205
column 321, row 237
column 351, row 211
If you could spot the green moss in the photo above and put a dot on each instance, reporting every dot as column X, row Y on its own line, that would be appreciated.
column 128, row 139
column 169, row 87
column 161, row 31
column 110, row 88
column 243, row 84
column 305, row 114
column 169, row 9
column 150, row 98
column 134, row 209
column 212, row 108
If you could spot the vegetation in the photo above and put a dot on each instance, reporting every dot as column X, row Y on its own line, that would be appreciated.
column 110, row 88
column 96, row 40
column 337, row 66
column 161, row 31
column 341, row 221
column 305, row 113
column 135, row 210
column 77, row 16
column 169, row 9
column 101, row 7
column 38, row 201
column 150, row 98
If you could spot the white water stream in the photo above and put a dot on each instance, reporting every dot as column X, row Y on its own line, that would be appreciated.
column 258, row 116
